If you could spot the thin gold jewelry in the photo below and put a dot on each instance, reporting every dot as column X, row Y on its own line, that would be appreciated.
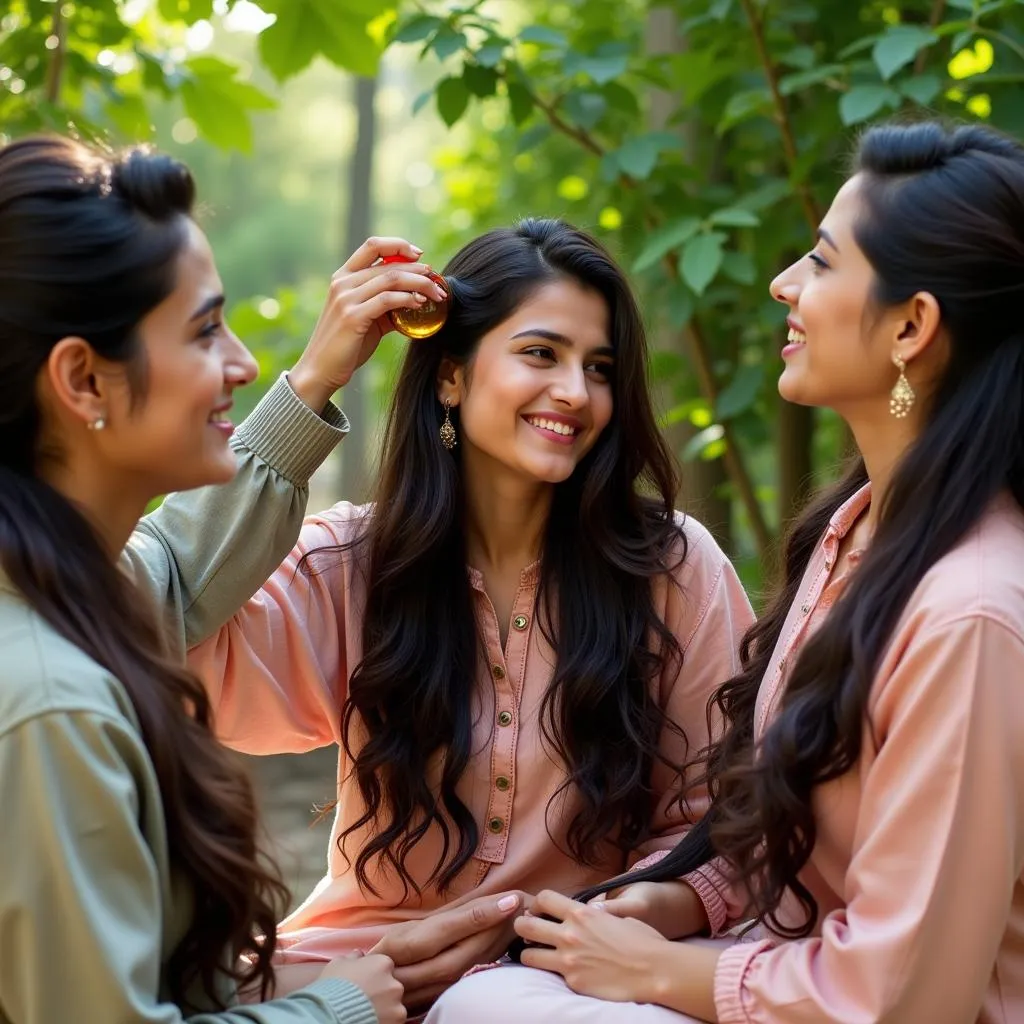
column 901, row 399
column 447, row 431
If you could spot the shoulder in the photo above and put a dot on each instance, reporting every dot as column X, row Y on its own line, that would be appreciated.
column 696, row 558
column 700, row 578
column 42, row 672
column 982, row 577
column 341, row 524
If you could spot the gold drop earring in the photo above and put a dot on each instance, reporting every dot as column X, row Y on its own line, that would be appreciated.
column 901, row 399
column 447, row 431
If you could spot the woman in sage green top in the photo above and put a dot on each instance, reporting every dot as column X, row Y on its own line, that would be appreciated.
column 131, row 889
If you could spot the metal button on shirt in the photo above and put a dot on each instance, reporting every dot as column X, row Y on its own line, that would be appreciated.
column 503, row 782
column 520, row 622
column 505, row 718
column 496, row 825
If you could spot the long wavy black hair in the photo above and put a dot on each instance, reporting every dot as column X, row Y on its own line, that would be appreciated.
column 89, row 243
column 943, row 213
column 611, row 531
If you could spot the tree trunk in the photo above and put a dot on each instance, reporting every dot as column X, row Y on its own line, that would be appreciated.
column 354, row 479
column 795, row 437
column 703, row 494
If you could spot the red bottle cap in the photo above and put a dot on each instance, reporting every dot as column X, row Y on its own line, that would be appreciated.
column 426, row 319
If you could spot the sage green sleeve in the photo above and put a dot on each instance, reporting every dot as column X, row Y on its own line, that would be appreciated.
column 204, row 553
column 82, row 896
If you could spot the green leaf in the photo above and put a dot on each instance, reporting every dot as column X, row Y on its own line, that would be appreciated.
column 742, row 106
column 735, row 217
column 639, row 156
column 961, row 39
column 922, row 88
column 621, row 98
column 740, row 393
column 219, row 103
column 520, row 102
column 532, row 137
column 541, row 35
column 188, row 11
column 962, row 5
column 699, row 442
column 584, row 108
column 664, row 240
column 768, row 194
column 790, row 84
column 864, row 101
column 416, row 28
column 856, row 47
column 702, row 259
column 452, row 99
column 447, row 41
column 899, row 46
column 479, row 80
column 422, row 100
column 305, row 29
column 739, row 267
column 801, row 57
column 599, row 67
column 489, row 55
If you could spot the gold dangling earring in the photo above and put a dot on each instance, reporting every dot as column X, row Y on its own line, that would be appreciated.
column 901, row 400
column 447, row 430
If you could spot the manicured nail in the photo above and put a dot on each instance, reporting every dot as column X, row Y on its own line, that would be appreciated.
column 416, row 248
column 508, row 903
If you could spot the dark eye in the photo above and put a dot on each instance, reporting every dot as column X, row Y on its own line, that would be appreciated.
column 210, row 329
column 540, row 351
column 819, row 263
column 603, row 370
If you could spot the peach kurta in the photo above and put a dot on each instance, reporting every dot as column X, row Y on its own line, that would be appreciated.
column 278, row 673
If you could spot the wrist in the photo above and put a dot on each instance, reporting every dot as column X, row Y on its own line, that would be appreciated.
column 311, row 387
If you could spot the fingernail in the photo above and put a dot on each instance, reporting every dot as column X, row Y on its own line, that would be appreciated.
column 416, row 248
column 508, row 903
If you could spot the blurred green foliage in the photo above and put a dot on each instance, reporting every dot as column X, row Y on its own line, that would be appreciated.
column 700, row 139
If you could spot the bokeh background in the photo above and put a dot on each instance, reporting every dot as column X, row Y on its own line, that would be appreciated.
column 701, row 140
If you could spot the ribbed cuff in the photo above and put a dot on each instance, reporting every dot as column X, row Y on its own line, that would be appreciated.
column 707, row 888
column 730, row 976
column 346, row 1001
column 286, row 434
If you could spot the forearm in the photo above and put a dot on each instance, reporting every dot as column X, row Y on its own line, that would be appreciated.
column 680, row 912
column 682, row 978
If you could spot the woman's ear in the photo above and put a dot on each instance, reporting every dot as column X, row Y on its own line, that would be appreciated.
column 451, row 378
column 73, row 379
column 918, row 327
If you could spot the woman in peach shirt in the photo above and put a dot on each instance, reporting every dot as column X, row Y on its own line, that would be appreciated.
column 869, row 788
column 513, row 647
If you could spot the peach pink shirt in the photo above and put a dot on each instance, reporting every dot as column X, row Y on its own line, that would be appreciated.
column 277, row 674
column 917, row 868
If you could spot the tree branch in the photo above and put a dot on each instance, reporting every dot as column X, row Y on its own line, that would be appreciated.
column 55, row 69
column 938, row 13
column 811, row 212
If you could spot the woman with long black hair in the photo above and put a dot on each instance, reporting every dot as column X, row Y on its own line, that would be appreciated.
column 513, row 646
column 131, row 887
column 868, row 807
